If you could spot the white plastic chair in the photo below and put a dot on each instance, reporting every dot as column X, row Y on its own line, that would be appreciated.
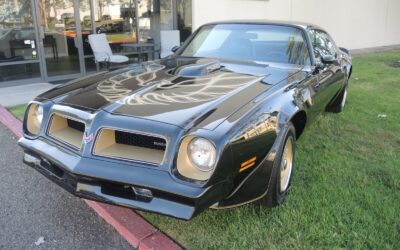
column 102, row 50
column 169, row 39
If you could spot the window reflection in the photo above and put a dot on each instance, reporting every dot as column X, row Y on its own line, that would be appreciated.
column 87, row 29
column 184, row 18
column 57, row 21
column 154, row 16
column 117, row 19
column 17, row 41
column 322, row 43
column 19, row 72
column 17, row 36
column 126, row 23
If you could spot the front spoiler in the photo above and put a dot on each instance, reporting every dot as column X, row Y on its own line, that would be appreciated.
column 176, row 201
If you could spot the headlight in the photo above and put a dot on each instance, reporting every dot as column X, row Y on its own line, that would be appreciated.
column 39, row 115
column 196, row 158
column 202, row 153
column 34, row 118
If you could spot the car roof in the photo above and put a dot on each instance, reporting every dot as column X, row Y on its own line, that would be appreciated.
column 302, row 25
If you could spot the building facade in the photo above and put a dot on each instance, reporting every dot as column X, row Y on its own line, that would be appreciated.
column 354, row 24
column 47, row 40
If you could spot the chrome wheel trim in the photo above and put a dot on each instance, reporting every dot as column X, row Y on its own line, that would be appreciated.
column 286, row 165
column 344, row 98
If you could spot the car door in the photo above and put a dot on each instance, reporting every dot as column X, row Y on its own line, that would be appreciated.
column 330, row 75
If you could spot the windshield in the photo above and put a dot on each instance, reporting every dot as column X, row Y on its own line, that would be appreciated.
column 250, row 42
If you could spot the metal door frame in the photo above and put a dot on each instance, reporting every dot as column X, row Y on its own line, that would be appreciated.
column 40, row 46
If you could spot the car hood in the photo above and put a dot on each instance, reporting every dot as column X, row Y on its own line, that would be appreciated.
column 185, row 92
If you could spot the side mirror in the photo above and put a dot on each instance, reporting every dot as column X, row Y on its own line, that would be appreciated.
column 319, row 64
column 175, row 49
column 328, row 59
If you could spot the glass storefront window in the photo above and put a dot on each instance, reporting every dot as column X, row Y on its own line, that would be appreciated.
column 57, row 21
column 154, row 16
column 87, row 29
column 184, row 18
column 17, row 34
column 117, row 19
column 19, row 72
column 127, row 24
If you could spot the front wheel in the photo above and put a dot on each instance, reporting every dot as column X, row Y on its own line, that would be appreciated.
column 282, row 171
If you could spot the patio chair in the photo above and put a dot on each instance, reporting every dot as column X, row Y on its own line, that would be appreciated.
column 102, row 51
column 169, row 40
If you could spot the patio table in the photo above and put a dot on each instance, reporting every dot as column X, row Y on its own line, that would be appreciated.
column 142, row 49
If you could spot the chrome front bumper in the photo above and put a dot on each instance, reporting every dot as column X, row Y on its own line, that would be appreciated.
column 119, row 184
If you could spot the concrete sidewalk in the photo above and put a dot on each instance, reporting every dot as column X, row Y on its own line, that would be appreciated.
column 12, row 96
column 32, row 207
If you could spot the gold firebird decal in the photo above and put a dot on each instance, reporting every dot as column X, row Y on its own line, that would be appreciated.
column 166, row 91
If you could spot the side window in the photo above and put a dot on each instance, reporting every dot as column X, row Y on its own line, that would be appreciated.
column 322, row 43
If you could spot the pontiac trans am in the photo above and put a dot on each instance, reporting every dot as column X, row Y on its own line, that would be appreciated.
column 213, row 125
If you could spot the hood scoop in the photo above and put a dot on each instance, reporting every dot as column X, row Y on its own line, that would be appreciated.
column 198, row 70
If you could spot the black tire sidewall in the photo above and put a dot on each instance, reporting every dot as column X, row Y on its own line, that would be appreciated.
column 274, row 197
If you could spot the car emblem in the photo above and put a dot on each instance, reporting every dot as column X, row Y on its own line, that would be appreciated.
column 87, row 138
column 160, row 144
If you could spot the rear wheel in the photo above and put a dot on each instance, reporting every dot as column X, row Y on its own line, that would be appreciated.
column 282, row 171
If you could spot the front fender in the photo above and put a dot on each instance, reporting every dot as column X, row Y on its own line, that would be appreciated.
column 254, row 184
column 258, row 135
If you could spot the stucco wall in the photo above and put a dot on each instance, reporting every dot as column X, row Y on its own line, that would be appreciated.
column 354, row 24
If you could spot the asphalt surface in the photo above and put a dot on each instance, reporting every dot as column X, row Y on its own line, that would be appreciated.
column 32, row 207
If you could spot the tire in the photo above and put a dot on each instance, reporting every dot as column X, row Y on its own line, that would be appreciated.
column 279, row 185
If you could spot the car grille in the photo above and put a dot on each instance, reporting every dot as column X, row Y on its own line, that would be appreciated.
column 130, row 145
column 66, row 130
column 145, row 141
column 76, row 125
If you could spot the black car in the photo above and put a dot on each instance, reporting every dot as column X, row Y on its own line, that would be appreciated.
column 214, row 125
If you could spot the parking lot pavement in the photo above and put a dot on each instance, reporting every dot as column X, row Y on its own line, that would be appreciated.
column 32, row 207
